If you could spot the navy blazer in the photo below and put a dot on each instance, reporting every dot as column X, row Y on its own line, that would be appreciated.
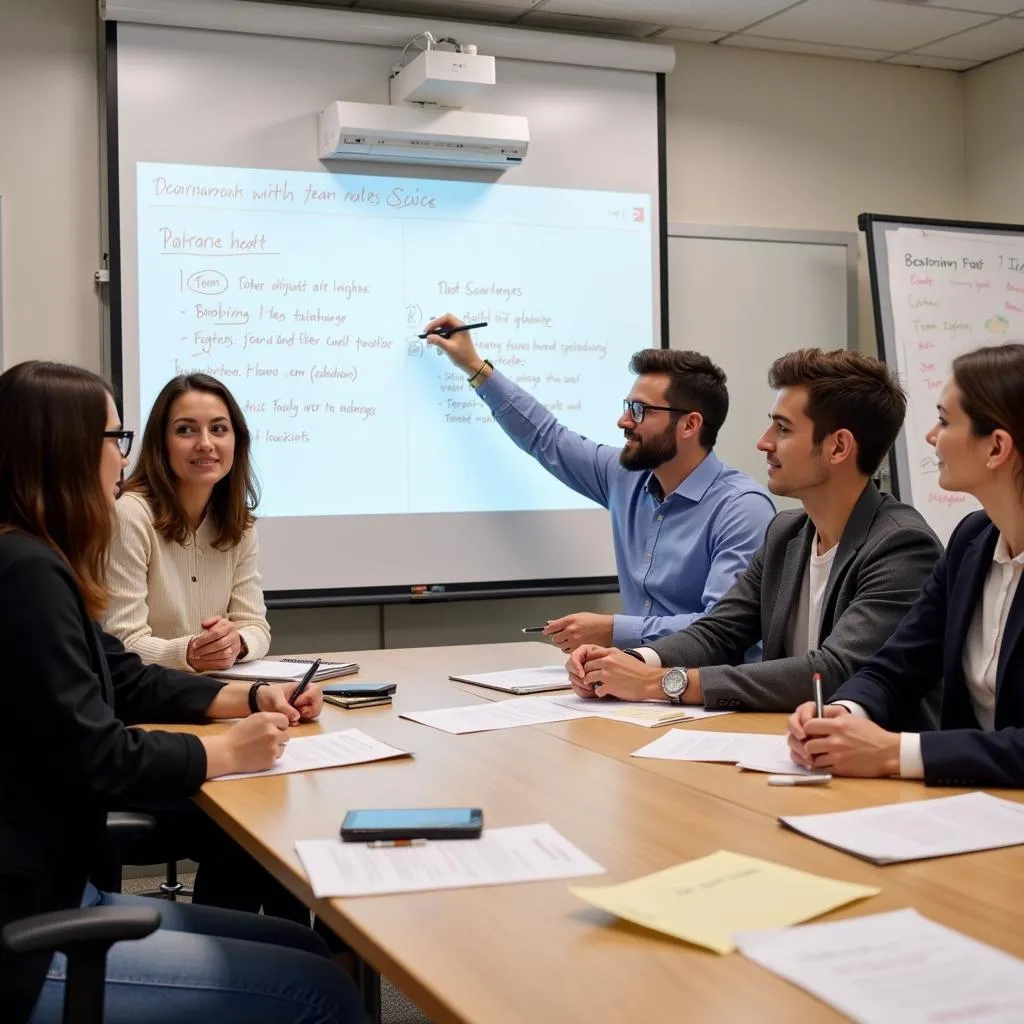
column 926, row 653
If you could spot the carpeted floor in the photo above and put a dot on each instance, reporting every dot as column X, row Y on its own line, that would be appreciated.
column 395, row 1008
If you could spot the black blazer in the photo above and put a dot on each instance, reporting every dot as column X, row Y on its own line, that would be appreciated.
column 69, row 693
column 926, row 653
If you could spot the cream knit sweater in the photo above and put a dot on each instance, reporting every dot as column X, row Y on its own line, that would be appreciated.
column 161, row 591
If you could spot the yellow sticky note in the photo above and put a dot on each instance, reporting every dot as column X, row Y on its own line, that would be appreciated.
column 707, row 901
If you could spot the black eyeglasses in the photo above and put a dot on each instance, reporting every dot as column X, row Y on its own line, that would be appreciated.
column 637, row 410
column 124, row 440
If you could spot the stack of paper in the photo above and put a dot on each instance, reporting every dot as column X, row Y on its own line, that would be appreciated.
column 707, row 901
column 520, row 680
column 636, row 712
column 895, row 967
column 499, row 714
column 727, row 747
column 524, row 853
column 286, row 670
column 923, row 828
column 327, row 750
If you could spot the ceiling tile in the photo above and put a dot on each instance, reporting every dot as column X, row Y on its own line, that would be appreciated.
column 871, row 24
column 729, row 15
column 996, row 39
column 919, row 60
column 691, row 35
column 981, row 6
column 464, row 10
column 752, row 42
column 586, row 26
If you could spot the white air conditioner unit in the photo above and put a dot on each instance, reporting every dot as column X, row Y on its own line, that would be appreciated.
column 418, row 135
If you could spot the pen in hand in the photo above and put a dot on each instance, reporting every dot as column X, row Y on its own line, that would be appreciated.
column 304, row 682
column 534, row 629
column 819, row 709
column 447, row 332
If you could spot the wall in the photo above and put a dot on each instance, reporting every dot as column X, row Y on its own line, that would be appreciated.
column 49, row 180
column 994, row 141
column 754, row 138
column 792, row 141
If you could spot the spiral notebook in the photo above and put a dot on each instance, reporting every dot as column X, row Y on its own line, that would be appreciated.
column 286, row 669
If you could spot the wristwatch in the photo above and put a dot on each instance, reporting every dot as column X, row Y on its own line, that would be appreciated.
column 673, row 684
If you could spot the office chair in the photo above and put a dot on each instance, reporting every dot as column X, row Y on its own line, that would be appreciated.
column 123, row 827
column 85, row 937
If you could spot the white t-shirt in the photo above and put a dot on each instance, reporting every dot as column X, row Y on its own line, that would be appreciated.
column 805, row 625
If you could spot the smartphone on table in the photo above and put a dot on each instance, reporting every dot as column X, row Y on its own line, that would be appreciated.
column 375, row 825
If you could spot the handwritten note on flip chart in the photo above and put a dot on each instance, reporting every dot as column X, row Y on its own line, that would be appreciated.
column 951, row 292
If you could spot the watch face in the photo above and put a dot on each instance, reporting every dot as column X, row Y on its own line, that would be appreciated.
column 673, row 682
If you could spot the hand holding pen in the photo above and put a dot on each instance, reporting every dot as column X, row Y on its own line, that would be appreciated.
column 451, row 335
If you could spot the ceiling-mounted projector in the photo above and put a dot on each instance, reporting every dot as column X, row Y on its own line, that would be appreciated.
column 422, row 135
column 443, row 78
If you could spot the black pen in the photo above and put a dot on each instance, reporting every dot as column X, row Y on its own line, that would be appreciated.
column 304, row 682
column 447, row 332
column 534, row 629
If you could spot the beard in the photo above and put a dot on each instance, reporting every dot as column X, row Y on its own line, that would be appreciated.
column 649, row 454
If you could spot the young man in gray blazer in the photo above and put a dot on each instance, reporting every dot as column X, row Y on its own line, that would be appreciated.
column 830, row 582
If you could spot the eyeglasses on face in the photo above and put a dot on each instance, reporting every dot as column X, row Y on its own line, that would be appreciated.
column 637, row 410
column 124, row 440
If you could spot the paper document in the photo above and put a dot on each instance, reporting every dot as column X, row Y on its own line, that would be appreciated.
column 913, row 831
column 729, row 747
column 520, row 680
column 524, row 853
column 895, row 968
column 327, row 750
column 707, row 901
column 647, row 713
column 499, row 714
column 285, row 671
column 779, row 763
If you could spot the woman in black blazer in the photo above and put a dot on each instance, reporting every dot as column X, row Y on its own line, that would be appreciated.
column 965, row 633
column 68, row 750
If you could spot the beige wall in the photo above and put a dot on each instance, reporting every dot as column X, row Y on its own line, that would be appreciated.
column 49, row 180
column 791, row 141
column 754, row 138
column 994, row 173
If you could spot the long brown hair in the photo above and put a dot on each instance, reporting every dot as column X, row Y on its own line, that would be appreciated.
column 235, row 497
column 53, row 418
column 991, row 383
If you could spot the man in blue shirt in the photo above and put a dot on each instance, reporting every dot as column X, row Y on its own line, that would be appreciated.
column 684, row 525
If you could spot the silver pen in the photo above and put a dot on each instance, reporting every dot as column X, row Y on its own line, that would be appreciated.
column 819, row 709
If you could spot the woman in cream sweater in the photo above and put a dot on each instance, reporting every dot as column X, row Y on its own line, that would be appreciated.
column 183, row 578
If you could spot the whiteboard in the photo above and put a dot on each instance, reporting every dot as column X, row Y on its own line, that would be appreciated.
column 743, row 297
column 940, row 288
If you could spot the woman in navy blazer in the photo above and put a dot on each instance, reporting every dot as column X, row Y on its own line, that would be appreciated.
column 965, row 633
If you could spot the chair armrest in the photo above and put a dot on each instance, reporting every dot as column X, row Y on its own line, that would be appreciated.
column 129, row 825
column 66, row 930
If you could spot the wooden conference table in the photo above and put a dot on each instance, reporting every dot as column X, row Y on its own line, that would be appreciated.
column 534, row 952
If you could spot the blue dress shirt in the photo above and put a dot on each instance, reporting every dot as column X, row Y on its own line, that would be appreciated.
column 675, row 557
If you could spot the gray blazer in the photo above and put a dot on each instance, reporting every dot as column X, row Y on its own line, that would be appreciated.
column 886, row 553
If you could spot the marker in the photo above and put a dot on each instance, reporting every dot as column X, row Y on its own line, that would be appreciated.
column 305, row 681
column 819, row 710
column 447, row 332
column 534, row 629
column 390, row 844
column 799, row 780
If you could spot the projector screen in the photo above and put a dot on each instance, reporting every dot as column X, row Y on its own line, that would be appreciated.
column 303, row 287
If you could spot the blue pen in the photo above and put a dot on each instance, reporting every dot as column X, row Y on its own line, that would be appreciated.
column 306, row 680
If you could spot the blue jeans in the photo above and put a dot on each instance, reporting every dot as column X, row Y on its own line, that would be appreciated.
column 207, row 964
